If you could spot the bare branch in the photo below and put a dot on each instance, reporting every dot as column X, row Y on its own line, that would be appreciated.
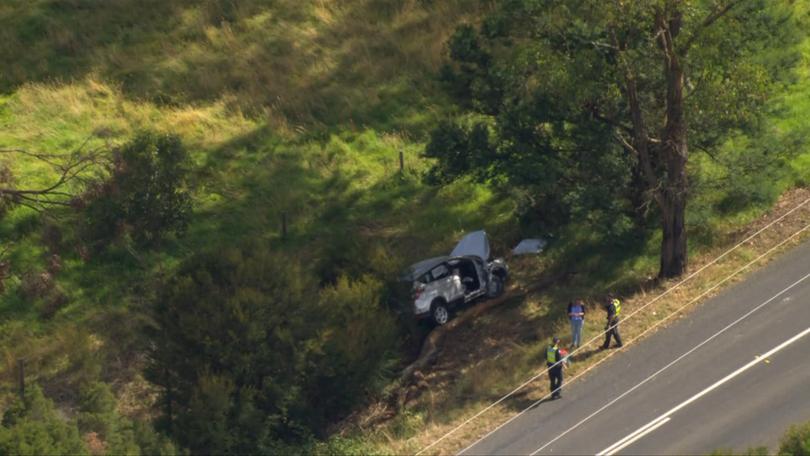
column 708, row 152
column 599, row 44
column 70, row 167
column 30, row 206
column 46, row 158
column 625, row 143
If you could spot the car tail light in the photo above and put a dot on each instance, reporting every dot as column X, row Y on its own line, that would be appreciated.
column 417, row 291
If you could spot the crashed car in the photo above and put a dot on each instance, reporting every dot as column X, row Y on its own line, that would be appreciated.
column 467, row 273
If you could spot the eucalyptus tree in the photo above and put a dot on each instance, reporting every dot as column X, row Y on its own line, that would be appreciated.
column 555, row 83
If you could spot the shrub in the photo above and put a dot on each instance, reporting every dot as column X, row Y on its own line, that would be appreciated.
column 252, row 357
column 100, row 423
column 361, row 340
column 32, row 426
column 796, row 441
column 97, row 410
column 146, row 194
column 235, row 332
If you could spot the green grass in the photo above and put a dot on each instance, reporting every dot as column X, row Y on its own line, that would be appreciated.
column 346, row 201
column 302, row 64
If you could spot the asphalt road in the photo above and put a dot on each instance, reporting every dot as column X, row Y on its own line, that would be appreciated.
column 699, row 385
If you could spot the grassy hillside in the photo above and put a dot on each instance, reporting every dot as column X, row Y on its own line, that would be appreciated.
column 287, row 108
column 299, row 64
column 290, row 108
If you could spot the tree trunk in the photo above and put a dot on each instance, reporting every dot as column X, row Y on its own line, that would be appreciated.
column 675, row 152
column 638, row 198
column 673, row 242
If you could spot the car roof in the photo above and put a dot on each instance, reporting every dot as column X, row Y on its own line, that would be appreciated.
column 416, row 270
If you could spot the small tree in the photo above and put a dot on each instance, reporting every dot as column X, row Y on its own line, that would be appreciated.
column 146, row 194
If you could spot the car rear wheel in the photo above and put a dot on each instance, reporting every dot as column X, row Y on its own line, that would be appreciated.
column 440, row 313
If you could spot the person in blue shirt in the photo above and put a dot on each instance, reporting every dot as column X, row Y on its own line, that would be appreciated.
column 576, row 313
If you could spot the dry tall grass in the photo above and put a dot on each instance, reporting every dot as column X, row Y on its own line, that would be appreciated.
column 310, row 62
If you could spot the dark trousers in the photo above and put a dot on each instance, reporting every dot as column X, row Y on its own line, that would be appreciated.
column 555, row 375
column 613, row 330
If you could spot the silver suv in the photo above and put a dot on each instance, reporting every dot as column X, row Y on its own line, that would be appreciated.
column 468, row 273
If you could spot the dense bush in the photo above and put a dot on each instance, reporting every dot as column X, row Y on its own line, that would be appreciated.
column 34, row 426
column 359, row 347
column 251, row 355
column 145, row 196
column 98, row 417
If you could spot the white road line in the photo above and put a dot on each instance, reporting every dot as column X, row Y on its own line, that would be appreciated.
column 655, row 374
column 631, row 435
column 615, row 449
column 621, row 444
column 543, row 371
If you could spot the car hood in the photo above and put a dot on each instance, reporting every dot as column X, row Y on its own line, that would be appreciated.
column 473, row 244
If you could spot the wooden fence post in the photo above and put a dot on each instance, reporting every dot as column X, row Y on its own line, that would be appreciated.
column 401, row 162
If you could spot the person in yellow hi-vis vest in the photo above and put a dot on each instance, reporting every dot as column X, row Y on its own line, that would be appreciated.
column 613, row 306
column 554, row 361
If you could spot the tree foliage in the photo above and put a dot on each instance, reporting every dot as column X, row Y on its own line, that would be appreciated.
column 796, row 441
column 33, row 427
column 120, row 435
column 251, row 355
column 146, row 194
column 591, row 102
